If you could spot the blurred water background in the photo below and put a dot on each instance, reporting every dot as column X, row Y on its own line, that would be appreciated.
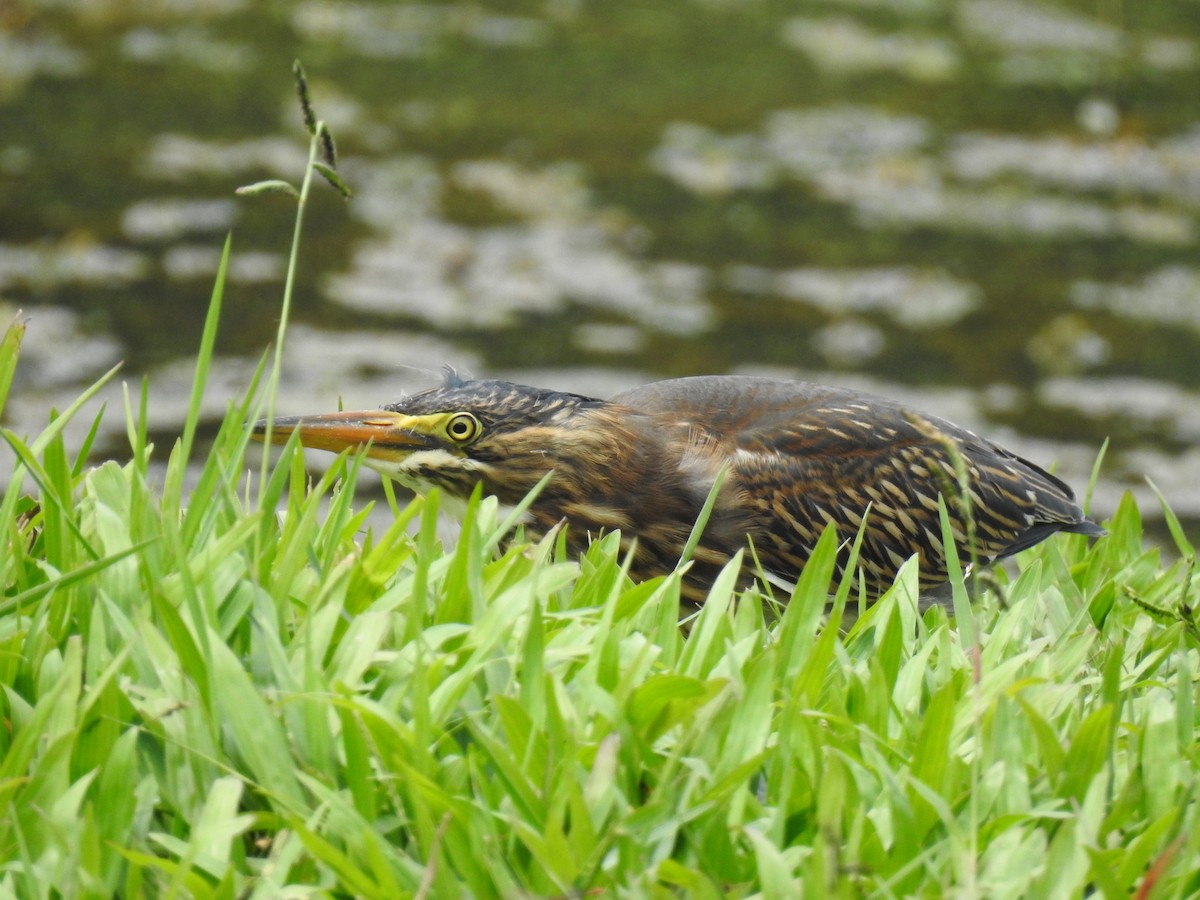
column 989, row 208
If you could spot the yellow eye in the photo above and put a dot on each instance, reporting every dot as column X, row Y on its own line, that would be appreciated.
column 463, row 428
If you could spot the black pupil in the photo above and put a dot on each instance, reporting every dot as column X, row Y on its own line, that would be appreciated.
column 460, row 428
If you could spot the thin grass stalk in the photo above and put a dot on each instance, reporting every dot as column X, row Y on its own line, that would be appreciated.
column 314, row 148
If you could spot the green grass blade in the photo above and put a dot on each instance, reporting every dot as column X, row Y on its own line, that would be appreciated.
column 702, row 520
column 964, row 616
column 1186, row 548
column 10, row 350
column 22, row 600
column 54, row 493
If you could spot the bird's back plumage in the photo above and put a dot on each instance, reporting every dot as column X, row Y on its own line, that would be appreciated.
column 802, row 456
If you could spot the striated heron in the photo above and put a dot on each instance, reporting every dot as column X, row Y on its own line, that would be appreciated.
column 798, row 457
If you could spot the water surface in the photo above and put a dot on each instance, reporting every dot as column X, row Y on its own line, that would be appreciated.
column 987, row 207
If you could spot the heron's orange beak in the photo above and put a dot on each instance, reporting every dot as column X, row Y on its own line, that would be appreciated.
column 384, row 435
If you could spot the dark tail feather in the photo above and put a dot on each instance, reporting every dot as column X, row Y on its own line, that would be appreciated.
column 1087, row 526
column 1043, row 530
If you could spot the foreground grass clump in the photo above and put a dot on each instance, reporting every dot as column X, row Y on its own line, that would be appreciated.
column 204, row 698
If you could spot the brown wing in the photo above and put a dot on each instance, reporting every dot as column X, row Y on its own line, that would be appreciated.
column 804, row 455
